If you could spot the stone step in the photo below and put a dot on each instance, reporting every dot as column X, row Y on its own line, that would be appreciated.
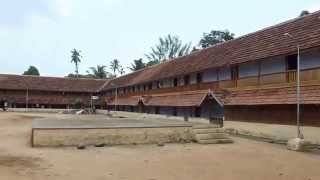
column 211, row 136
column 215, row 141
column 205, row 126
column 208, row 130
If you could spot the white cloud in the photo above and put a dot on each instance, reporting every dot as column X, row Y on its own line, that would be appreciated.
column 17, row 13
column 35, row 20
column 63, row 7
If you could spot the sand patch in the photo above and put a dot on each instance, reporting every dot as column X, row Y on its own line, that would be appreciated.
column 19, row 161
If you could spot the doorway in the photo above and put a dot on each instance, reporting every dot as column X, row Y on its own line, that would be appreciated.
column 292, row 62
column 292, row 65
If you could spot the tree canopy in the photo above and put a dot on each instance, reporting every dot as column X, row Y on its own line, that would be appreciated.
column 121, row 70
column 167, row 48
column 170, row 47
column 215, row 37
column 75, row 58
column 137, row 64
column 79, row 76
column 116, row 67
column 304, row 12
column 99, row 72
column 32, row 70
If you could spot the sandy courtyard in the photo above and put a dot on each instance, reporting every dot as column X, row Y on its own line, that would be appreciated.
column 245, row 159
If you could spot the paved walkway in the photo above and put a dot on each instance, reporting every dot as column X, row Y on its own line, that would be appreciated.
column 275, row 130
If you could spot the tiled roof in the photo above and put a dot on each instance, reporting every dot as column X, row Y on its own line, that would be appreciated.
column 178, row 99
column 310, row 94
column 185, row 99
column 265, row 43
column 18, row 82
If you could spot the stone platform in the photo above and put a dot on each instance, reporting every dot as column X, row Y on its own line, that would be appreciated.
column 100, row 129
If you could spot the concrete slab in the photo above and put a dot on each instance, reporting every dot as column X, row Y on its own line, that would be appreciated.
column 103, row 122
column 73, row 130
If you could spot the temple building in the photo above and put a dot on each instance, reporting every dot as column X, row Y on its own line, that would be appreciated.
column 251, row 78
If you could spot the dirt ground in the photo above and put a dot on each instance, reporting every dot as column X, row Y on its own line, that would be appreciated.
column 243, row 160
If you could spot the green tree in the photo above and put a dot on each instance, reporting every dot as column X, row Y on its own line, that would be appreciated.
column 194, row 49
column 215, row 37
column 114, row 66
column 121, row 70
column 75, row 58
column 152, row 62
column 98, row 72
column 87, row 76
column 32, row 70
column 137, row 64
column 167, row 48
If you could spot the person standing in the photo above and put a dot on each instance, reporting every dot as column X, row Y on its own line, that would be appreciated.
column 2, row 104
column 5, row 106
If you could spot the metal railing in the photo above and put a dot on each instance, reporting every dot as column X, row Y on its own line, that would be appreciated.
column 291, row 76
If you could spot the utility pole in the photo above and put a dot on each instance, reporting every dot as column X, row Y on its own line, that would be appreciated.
column 91, row 103
column 298, row 93
column 299, row 133
column 116, row 95
column 116, row 100
column 27, row 99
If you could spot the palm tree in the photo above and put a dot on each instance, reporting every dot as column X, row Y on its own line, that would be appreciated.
column 115, row 66
column 75, row 58
column 121, row 70
column 99, row 72
column 168, row 48
column 137, row 64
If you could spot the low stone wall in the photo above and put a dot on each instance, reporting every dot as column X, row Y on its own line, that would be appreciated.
column 114, row 136
column 256, row 135
column 268, row 137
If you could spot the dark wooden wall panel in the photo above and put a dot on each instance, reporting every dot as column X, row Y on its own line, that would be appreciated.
column 275, row 114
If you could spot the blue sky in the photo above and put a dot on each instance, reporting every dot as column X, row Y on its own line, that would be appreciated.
column 42, row 32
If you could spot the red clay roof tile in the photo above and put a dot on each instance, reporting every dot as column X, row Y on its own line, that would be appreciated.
column 178, row 99
column 41, row 83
